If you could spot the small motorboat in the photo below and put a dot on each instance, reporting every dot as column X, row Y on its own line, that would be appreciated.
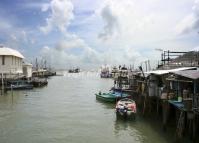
column 126, row 108
column 111, row 96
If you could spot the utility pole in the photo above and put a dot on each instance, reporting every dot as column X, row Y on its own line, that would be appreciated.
column 36, row 64
column 149, row 65
column 146, row 65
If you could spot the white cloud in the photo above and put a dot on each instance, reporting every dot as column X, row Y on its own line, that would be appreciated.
column 60, row 57
column 60, row 17
column 131, row 30
column 140, row 27
column 190, row 23
column 70, row 44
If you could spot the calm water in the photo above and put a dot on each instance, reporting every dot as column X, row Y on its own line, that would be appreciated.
column 67, row 111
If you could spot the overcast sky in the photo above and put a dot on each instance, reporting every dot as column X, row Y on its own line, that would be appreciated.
column 91, row 33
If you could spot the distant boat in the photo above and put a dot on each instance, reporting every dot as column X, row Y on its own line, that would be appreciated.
column 76, row 70
column 105, row 73
column 39, row 82
column 19, row 85
column 111, row 96
column 114, row 72
column 126, row 108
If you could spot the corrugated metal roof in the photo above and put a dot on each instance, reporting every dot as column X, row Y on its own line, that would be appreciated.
column 10, row 52
column 192, row 74
column 161, row 72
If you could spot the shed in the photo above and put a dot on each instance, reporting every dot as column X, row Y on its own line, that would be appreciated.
column 158, row 77
column 187, row 81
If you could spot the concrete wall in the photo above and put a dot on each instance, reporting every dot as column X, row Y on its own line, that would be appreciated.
column 27, row 70
column 12, row 65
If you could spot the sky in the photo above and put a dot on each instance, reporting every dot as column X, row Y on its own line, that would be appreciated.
column 92, row 33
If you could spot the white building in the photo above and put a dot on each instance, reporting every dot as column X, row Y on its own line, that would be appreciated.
column 10, row 62
column 27, row 70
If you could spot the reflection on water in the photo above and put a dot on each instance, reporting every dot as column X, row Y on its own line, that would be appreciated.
column 67, row 111
column 127, row 128
column 105, row 105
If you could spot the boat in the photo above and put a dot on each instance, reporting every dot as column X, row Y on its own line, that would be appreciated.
column 39, row 82
column 126, row 108
column 111, row 96
column 19, row 85
column 123, row 90
column 105, row 73
column 121, row 81
column 76, row 70
column 114, row 72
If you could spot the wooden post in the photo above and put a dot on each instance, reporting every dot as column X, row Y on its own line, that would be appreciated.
column 194, row 128
column 157, row 105
column 195, row 86
column 144, row 104
column 12, row 92
column 2, row 84
column 164, row 113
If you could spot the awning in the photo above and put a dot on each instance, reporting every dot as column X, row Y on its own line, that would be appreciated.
column 162, row 72
column 191, row 74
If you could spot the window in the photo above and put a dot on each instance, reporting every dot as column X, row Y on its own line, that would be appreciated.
column 3, row 60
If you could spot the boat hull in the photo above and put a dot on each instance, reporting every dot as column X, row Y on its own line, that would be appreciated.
column 122, row 90
column 111, row 97
column 105, row 76
column 106, row 99
column 20, row 87
column 125, row 115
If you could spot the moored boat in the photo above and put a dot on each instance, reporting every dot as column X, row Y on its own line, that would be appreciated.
column 39, row 82
column 76, row 70
column 126, row 108
column 114, row 72
column 105, row 73
column 111, row 96
column 19, row 85
column 123, row 90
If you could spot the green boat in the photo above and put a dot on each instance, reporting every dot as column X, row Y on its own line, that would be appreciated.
column 111, row 96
